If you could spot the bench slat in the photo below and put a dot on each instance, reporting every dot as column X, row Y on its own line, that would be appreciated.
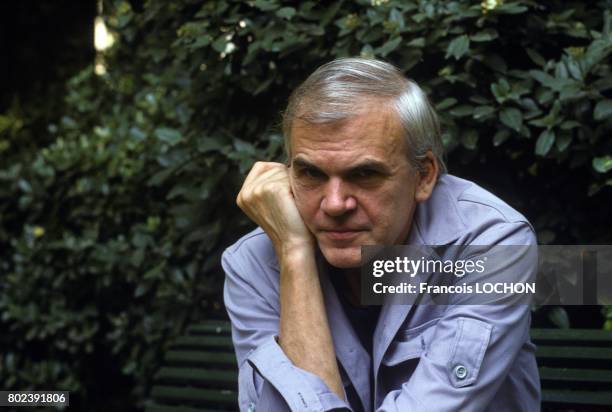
column 574, row 352
column 213, row 396
column 195, row 358
column 575, row 375
column 216, row 342
column 577, row 397
column 569, row 335
column 194, row 375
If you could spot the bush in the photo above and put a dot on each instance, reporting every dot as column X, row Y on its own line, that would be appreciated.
column 111, row 230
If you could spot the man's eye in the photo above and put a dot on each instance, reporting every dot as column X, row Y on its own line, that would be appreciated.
column 311, row 173
column 365, row 174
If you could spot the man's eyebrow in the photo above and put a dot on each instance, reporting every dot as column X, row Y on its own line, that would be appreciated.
column 368, row 164
column 303, row 164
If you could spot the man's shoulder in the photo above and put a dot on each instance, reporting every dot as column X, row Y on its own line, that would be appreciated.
column 252, row 251
column 460, row 211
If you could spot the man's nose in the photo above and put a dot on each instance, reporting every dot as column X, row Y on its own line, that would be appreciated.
column 337, row 199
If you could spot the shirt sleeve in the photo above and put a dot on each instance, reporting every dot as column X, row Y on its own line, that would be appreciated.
column 473, row 346
column 268, row 381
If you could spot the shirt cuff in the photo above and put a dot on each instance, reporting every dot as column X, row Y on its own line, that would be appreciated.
column 302, row 390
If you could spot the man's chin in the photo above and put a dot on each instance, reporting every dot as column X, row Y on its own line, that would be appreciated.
column 343, row 258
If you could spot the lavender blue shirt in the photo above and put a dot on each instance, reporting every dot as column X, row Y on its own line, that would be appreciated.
column 424, row 357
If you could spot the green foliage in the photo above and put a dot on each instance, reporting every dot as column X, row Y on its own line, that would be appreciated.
column 111, row 228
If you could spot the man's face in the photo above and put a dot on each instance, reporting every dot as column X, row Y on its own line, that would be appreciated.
column 352, row 182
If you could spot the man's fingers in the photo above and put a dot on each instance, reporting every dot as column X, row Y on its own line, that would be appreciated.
column 262, row 176
column 258, row 169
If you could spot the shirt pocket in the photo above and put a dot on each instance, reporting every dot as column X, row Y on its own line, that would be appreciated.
column 410, row 343
column 471, row 341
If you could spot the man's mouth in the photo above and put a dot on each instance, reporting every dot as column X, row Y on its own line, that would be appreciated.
column 341, row 234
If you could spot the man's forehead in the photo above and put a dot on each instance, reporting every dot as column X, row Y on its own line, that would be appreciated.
column 377, row 128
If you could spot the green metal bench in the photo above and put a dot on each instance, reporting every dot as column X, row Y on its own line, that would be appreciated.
column 575, row 368
column 200, row 371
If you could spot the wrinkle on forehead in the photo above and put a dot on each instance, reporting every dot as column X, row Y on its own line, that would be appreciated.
column 376, row 134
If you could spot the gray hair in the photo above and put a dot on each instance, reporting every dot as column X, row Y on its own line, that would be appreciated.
column 337, row 90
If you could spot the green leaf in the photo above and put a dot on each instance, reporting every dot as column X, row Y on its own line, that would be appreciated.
column 201, row 41
column 563, row 141
column 418, row 42
column 545, row 142
column 536, row 57
column 220, row 44
column 286, row 13
column 266, row 5
column 244, row 148
column 167, row 135
column 500, row 90
column 330, row 13
column 461, row 111
column 469, row 139
column 398, row 17
column 569, row 124
column 484, row 35
column 24, row 186
column 603, row 110
column 389, row 46
column 446, row 103
column 483, row 111
column 602, row 164
column 208, row 144
column 367, row 51
column 511, row 8
column 160, row 177
column 558, row 316
column 557, row 84
column 575, row 70
column 500, row 137
column 458, row 47
column 512, row 117
column 155, row 272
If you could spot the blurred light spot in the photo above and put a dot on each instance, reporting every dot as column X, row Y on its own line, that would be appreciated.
column 38, row 231
column 229, row 47
column 100, row 68
column 103, row 39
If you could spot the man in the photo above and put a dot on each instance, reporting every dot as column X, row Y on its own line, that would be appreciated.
column 365, row 168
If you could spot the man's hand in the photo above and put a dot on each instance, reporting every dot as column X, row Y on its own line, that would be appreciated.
column 266, row 198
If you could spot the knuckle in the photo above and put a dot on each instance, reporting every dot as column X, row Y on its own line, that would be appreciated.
column 258, row 191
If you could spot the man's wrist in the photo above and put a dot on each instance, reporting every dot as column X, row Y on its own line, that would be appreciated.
column 296, row 252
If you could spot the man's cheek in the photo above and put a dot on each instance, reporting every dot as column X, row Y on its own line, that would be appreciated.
column 305, row 208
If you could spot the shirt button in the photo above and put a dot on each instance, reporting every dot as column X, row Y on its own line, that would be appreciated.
column 251, row 407
column 460, row 371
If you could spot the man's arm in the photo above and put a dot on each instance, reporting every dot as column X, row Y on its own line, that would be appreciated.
column 303, row 330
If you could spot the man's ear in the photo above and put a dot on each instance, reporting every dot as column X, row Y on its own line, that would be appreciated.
column 427, row 177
